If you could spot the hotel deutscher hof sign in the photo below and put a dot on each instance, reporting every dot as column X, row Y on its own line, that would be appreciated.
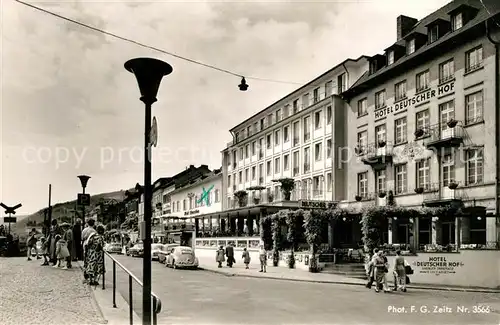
column 416, row 99
column 437, row 265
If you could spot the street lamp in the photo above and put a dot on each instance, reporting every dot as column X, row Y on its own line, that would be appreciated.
column 83, row 180
column 148, row 73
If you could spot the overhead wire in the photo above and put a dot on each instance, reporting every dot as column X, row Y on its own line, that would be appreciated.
column 129, row 40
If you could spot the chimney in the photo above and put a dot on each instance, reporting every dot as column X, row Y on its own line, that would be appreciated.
column 405, row 25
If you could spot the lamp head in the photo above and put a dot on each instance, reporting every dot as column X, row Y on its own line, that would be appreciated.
column 148, row 73
column 243, row 85
column 84, row 179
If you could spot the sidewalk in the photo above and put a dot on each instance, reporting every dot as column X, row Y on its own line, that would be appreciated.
column 284, row 273
column 35, row 294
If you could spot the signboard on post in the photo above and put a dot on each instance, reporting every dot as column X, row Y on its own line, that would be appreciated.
column 83, row 199
column 9, row 220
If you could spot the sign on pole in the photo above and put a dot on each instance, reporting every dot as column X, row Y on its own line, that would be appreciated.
column 153, row 136
column 83, row 199
column 9, row 220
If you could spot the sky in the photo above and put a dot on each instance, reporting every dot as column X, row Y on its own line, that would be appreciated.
column 68, row 107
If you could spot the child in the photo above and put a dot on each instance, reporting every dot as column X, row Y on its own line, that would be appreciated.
column 62, row 252
column 246, row 257
column 31, row 243
column 45, row 251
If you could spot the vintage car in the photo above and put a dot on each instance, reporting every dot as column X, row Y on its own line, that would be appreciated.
column 166, row 249
column 137, row 250
column 155, row 250
column 181, row 257
column 113, row 248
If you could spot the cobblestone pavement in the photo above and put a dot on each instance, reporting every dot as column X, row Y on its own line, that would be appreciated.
column 32, row 294
column 201, row 297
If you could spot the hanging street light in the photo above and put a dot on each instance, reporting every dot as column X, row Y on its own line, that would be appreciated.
column 243, row 85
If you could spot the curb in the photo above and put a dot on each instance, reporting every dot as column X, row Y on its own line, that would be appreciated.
column 417, row 287
column 94, row 300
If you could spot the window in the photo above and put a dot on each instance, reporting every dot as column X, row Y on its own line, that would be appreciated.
column 477, row 226
column 381, row 133
column 184, row 204
column 342, row 83
column 236, row 136
column 448, row 169
column 268, row 141
column 362, row 107
column 400, row 90
column 296, row 163
column 474, row 59
column 400, row 130
column 318, row 147
column 261, row 170
column 380, row 180
column 363, row 184
column 317, row 185
column 228, row 180
column 295, row 106
column 254, row 170
column 286, row 162
column 456, row 21
column 423, row 173
column 329, row 182
column 446, row 71
column 286, row 111
column 423, row 81
column 380, row 99
column 269, row 119
column 246, row 175
column 241, row 153
column 305, row 101
column 317, row 120
column 390, row 57
column 307, row 160
column 363, row 139
column 447, row 112
column 278, row 115
column 401, row 179
column 276, row 165
column 410, row 46
column 216, row 196
column 286, row 133
column 256, row 127
column 329, row 148
column 254, row 144
column 307, row 131
column 329, row 115
column 234, row 158
column 240, row 178
column 249, row 131
column 474, row 107
column 474, row 166
column 261, row 124
column 247, row 147
column 296, row 133
column 423, row 120
column 269, row 168
column 316, row 95
column 433, row 34
column 277, row 138
column 229, row 202
column 328, row 88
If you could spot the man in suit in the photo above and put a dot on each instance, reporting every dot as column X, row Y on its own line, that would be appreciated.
column 230, row 255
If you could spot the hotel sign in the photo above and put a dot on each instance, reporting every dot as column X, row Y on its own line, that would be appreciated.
column 416, row 99
column 437, row 265
column 187, row 213
column 317, row 204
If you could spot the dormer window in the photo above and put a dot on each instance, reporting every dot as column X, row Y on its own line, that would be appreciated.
column 433, row 33
column 390, row 57
column 410, row 46
column 373, row 67
column 456, row 21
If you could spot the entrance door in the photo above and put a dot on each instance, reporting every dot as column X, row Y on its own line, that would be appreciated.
column 448, row 233
column 403, row 234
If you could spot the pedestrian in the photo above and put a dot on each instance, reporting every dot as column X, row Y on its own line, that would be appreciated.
column 54, row 231
column 86, row 233
column 45, row 250
column 262, row 258
column 62, row 252
column 230, row 255
column 95, row 256
column 77, row 241
column 31, row 244
column 68, row 237
column 381, row 268
column 370, row 269
column 246, row 257
column 219, row 256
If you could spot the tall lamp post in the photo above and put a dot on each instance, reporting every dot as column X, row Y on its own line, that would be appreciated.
column 82, row 200
column 148, row 73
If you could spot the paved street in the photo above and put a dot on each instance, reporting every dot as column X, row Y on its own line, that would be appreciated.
column 200, row 297
column 32, row 294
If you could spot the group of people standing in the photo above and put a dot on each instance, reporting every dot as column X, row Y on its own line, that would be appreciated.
column 66, row 243
column 221, row 254
column 378, row 268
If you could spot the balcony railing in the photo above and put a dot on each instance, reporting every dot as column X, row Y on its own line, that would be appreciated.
column 365, row 196
column 440, row 193
column 308, row 194
column 379, row 153
column 442, row 135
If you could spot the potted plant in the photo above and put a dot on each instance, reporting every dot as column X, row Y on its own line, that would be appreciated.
column 287, row 186
column 452, row 123
column 358, row 198
column 270, row 197
column 358, row 150
column 418, row 133
column 241, row 196
column 381, row 195
column 382, row 143
column 452, row 185
column 256, row 200
column 419, row 190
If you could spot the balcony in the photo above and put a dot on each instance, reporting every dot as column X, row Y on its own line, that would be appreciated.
column 363, row 197
column 375, row 154
column 437, row 194
column 448, row 135
column 308, row 194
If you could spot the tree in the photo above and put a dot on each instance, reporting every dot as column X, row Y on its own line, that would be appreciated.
column 287, row 186
column 241, row 196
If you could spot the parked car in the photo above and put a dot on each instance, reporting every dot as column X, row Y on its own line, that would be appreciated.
column 181, row 257
column 137, row 250
column 166, row 249
column 113, row 248
column 155, row 250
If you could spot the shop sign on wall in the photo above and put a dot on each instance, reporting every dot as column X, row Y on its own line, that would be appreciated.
column 317, row 204
column 437, row 265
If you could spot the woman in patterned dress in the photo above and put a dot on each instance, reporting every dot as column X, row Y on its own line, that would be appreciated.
column 95, row 263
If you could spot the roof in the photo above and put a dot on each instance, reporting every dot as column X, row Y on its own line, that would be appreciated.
column 200, row 180
column 301, row 88
column 420, row 27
